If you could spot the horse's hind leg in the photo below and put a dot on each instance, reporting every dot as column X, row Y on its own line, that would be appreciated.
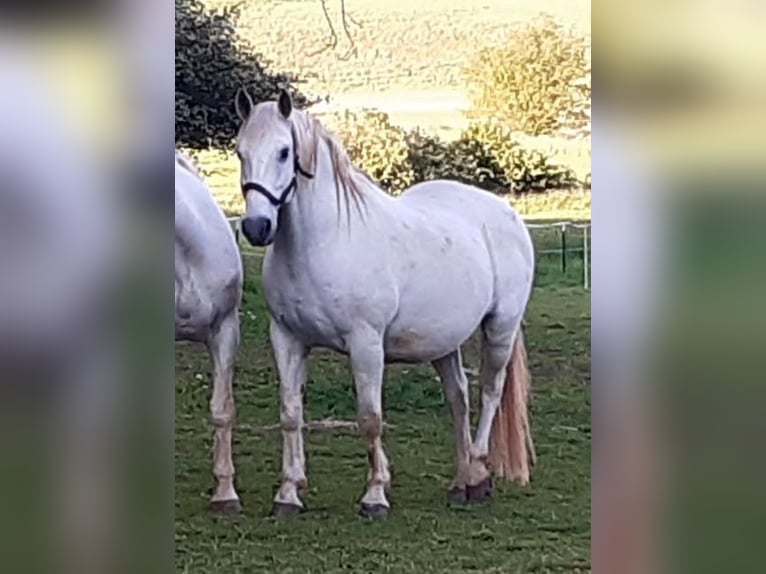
column 455, row 385
column 498, row 335
column 223, row 345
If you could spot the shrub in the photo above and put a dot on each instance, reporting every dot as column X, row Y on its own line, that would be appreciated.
column 538, row 82
column 212, row 62
column 467, row 160
column 485, row 155
column 520, row 169
column 378, row 147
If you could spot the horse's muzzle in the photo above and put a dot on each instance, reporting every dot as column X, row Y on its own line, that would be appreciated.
column 257, row 230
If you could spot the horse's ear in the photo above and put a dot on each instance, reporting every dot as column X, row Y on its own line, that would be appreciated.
column 285, row 104
column 243, row 103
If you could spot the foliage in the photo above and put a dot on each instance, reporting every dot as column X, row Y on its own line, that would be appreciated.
column 486, row 155
column 520, row 169
column 537, row 82
column 378, row 147
column 212, row 61
column 467, row 160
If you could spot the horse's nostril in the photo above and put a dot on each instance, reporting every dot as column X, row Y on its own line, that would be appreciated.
column 257, row 229
column 265, row 229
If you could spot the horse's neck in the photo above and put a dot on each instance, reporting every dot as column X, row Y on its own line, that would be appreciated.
column 320, row 212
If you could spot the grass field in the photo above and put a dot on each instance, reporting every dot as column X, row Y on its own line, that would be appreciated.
column 544, row 527
column 401, row 45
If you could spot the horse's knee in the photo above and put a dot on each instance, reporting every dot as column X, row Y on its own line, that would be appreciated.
column 223, row 415
column 371, row 425
column 291, row 417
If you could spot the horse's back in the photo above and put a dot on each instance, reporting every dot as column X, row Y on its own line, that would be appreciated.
column 200, row 222
column 208, row 268
column 467, row 201
column 474, row 210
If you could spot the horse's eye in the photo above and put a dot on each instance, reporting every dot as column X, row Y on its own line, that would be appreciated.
column 283, row 153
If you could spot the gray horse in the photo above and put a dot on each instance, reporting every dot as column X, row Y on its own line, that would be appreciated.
column 208, row 294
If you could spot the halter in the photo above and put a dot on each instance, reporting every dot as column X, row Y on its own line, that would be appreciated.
column 273, row 199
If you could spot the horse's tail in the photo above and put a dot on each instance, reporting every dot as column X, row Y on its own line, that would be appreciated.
column 511, row 450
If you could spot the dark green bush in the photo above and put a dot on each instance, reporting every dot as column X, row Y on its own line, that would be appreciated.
column 378, row 147
column 212, row 62
column 522, row 169
column 486, row 155
column 467, row 160
column 538, row 82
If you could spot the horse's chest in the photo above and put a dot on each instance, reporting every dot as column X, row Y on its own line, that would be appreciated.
column 193, row 310
column 316, row 315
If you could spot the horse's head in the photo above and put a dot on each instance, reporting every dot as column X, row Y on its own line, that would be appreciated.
column 267, row 148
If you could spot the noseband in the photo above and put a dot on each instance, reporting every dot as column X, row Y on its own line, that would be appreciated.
column 273, row 199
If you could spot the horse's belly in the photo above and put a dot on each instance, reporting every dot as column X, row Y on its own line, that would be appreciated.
column 430, row 330
column 422, row 345
column 413, row 346
column 442, row 301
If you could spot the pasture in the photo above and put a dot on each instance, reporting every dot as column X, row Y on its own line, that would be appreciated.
column 544, row 527
column 402, row 46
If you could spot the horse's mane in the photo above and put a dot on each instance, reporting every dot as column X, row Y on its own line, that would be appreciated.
column 346, row 174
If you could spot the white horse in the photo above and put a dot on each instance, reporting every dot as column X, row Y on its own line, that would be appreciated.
column 208, row 294
column 380, row 279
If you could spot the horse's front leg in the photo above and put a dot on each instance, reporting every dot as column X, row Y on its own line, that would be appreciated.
column 291, row 358
column 367, row 364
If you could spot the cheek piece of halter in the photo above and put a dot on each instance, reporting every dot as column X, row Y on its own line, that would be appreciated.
column 273, row 199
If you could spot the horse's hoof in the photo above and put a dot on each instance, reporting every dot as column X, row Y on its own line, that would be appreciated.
column 231, row 506
column 457, row 495
column 373, row 510
column 282, row 509
column 480, row 492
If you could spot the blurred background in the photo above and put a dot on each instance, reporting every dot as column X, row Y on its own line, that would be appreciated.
column 85, row 308
column 677, row 287
column 679, row 176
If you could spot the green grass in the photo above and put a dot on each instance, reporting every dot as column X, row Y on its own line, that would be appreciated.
column 544, row 527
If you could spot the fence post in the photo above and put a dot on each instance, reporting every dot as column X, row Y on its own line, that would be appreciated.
column 585, row 257
column 234, row 222
column 564, row 248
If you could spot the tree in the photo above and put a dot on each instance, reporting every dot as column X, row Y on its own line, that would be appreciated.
column 212, row 62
